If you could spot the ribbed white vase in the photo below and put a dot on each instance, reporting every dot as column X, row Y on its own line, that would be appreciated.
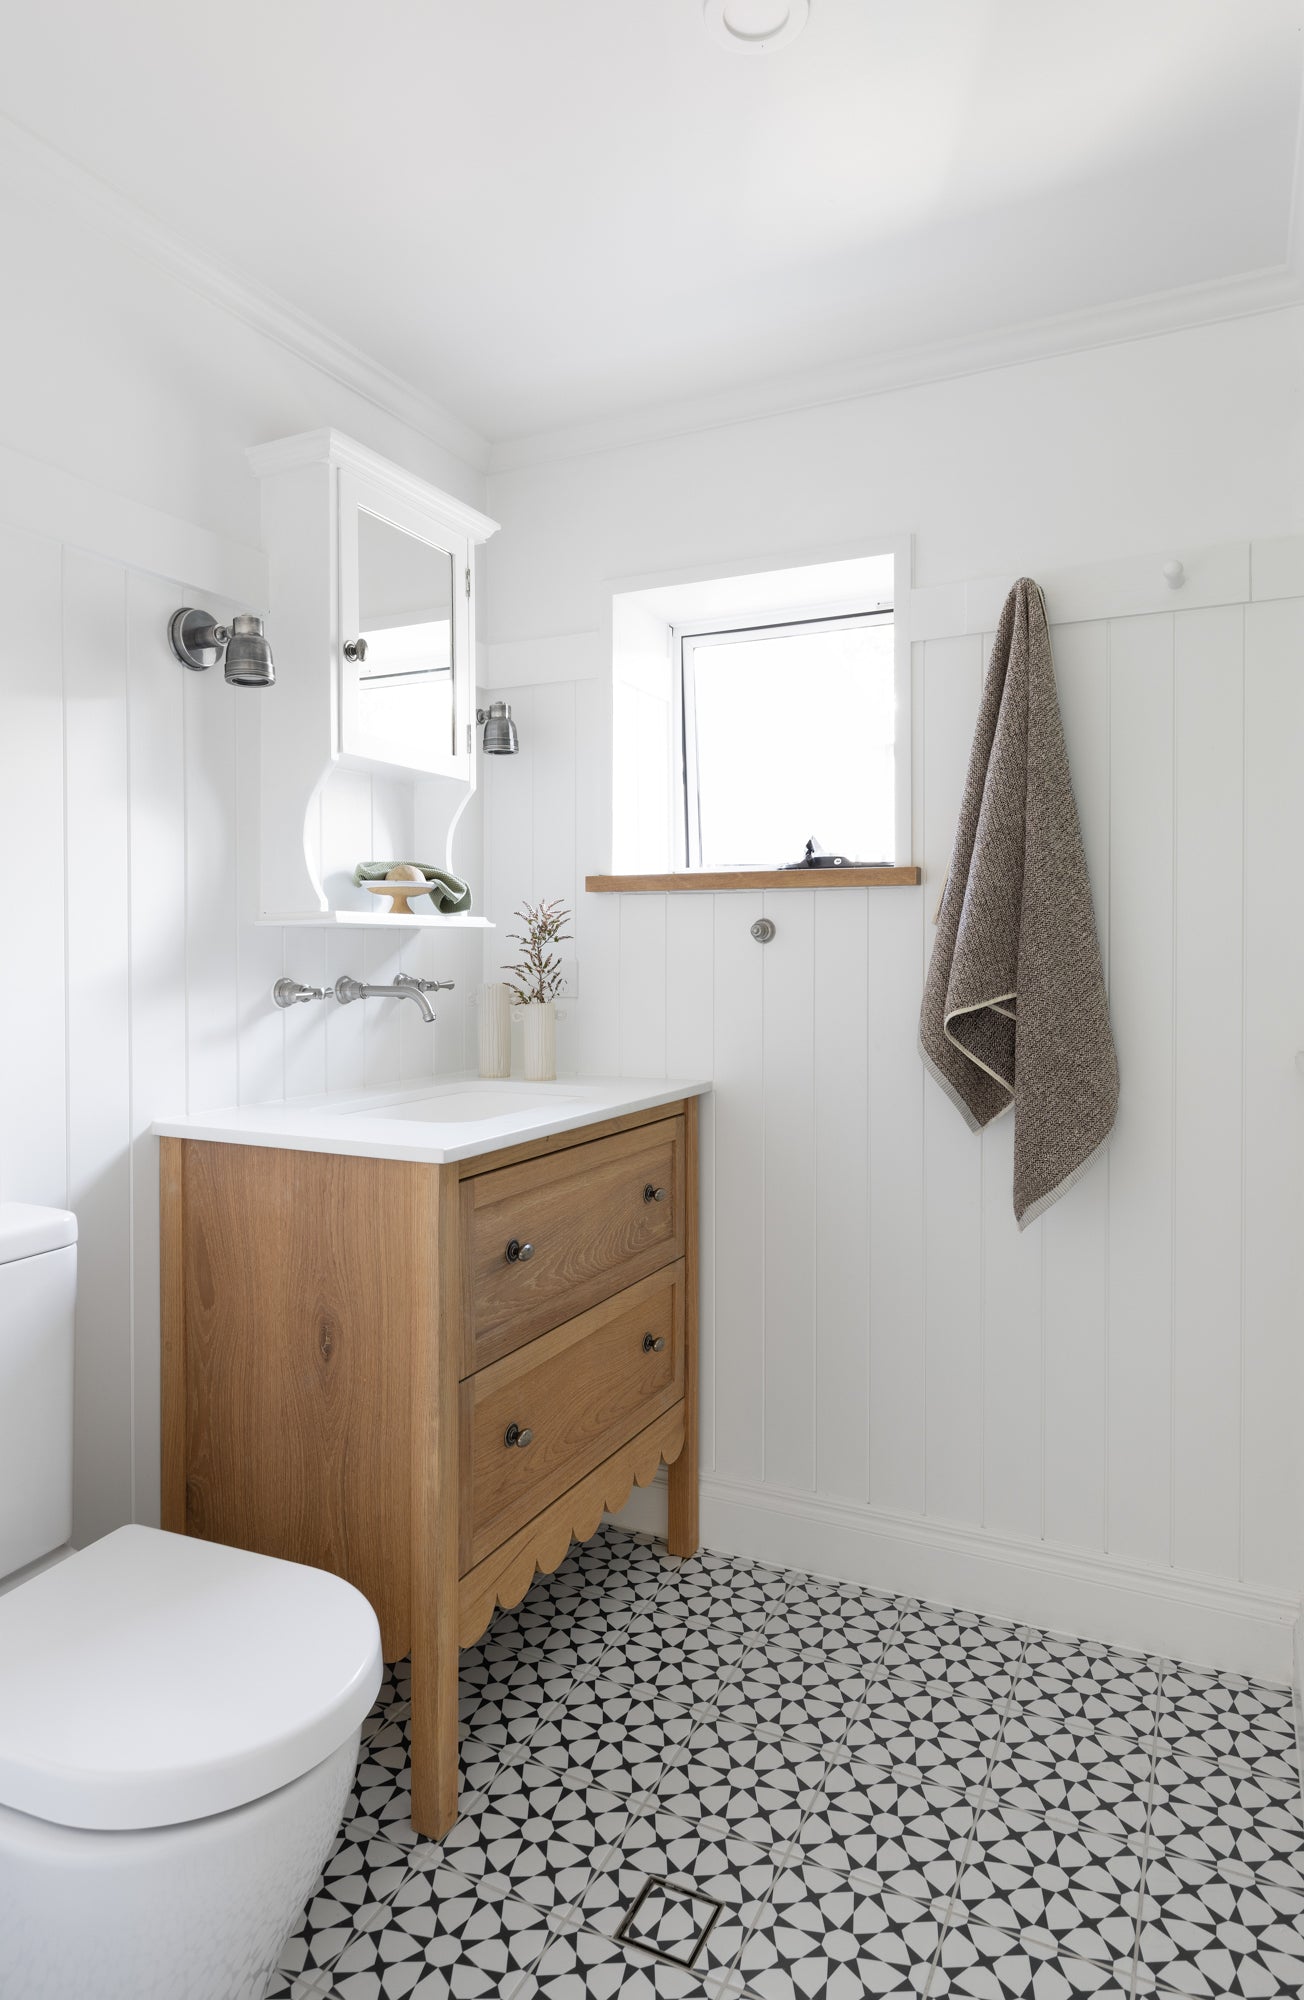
column 539, row 1020
column 495, row 1030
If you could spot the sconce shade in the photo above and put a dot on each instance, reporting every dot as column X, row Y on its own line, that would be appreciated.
column 500, row 738
column 200, row 642
column 248, row 655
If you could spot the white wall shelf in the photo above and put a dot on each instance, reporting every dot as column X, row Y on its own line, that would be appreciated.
column 376, row 920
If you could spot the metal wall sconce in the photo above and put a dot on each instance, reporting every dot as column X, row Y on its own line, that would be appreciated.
column 199, row 642
column 500, row 738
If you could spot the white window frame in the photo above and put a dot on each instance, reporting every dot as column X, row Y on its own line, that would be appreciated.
column 687, row 639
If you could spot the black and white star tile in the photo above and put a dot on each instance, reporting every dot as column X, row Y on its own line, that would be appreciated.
column 713, row 1780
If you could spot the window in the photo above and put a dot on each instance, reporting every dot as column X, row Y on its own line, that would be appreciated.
column 788, row 734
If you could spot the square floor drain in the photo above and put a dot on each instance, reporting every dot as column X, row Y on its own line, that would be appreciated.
column 669, row 1922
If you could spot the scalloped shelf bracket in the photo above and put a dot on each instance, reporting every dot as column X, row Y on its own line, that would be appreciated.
column 504, row 1577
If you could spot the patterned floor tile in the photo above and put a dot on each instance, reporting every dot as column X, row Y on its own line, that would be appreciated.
column 888, row 1834
column 923, row 1733
column 807, row 1703
column 729, row 1780
column 821, row 1936
column 721, row 1867
column 1204, row 1936
column 884, row 1796
column 608, row 1737
column 527, row 1835
column 1104, row 1786
column 675, row 1663
column 988, row 1964
column 585, row 1966
column 445, row 1941
column 1206, row 1813
column 1071, row 1892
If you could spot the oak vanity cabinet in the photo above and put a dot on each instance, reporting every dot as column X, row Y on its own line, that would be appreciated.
column 429, row 1379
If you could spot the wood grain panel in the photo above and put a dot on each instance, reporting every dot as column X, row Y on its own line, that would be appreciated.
column 592, row 1230
column 304, row 1292
column 580, row 1391
column 435, row 1474
column 505, row 1576
column 753, row 878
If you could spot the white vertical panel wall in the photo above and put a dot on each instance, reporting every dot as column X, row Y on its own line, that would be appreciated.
column 131, row 982
column 1095, row 1420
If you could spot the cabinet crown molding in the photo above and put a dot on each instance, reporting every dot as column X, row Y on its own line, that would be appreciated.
column 331, row 447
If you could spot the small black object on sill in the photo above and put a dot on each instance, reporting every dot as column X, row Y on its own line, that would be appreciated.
column 815, row 857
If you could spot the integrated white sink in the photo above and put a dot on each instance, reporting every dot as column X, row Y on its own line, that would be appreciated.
column 454, row 1118
column 466, row 1103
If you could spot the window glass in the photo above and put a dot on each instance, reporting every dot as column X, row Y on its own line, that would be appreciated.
column 789, row 736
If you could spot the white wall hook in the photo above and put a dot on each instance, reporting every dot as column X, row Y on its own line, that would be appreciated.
column 1174, row 574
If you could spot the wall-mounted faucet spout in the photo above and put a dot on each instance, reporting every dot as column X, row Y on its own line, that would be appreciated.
column 402, row 988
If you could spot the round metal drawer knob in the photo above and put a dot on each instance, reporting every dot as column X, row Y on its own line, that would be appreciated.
column 515, row 1438
column 355, row 649
column 518, row 1252
column 652, row 1343
column 651, row 1193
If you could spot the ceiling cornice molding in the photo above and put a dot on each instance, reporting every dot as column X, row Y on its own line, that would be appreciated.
column 1142, row 318
column 263, row 310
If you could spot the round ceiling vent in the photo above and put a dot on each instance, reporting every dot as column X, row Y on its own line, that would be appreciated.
column 758, row 25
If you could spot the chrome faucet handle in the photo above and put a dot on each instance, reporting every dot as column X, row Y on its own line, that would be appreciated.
column 424, row 985
column 289, row 992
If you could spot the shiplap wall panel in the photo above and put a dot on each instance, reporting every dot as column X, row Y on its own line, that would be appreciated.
column 841, row 1274
column 1124, row 1377
column 33, row 1082
column 1141, row 1147
column 1075, row 1233
column 953, row 1331
column 788, row 1107
column 99, row 1026
column 643, row 979
column 1208, row 910
column 134, row 985
column 1273, row 1257
column 157, row 819
column 690, row 1052
column 895, row 1230
column 1012, row 1409
column 742, row 1248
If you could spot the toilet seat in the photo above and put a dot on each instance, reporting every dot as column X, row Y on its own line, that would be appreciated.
column 154, row 1678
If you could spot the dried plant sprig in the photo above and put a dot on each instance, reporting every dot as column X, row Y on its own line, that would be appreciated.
column 539, row 976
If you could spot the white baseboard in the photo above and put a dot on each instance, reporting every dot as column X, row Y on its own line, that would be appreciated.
column 1230, row 1626
column 1297, row 1687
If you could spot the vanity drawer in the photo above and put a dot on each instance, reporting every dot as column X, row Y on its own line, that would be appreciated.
column 566, row 1402
column 544, row 1240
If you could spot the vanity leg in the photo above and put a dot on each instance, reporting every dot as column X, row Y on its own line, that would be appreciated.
column 435, row 1513
column 682, row 1476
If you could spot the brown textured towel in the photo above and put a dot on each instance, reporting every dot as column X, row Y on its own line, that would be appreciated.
column 1014, row 1004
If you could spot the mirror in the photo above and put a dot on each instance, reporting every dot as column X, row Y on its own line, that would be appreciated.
column 404, row 642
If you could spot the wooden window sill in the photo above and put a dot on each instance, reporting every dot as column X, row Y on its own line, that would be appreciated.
column 704, row 882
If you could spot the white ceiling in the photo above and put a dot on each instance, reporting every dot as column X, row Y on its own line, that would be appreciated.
column 541, row 212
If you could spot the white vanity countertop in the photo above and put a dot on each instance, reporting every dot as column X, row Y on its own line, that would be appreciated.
column 446, row 1118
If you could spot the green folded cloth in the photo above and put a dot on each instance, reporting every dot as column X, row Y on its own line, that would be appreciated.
column 449, row 896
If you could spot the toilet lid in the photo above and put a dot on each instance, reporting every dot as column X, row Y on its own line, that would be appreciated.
column 152, row 1678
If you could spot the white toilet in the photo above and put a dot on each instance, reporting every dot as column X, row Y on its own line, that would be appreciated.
column 179, row 1721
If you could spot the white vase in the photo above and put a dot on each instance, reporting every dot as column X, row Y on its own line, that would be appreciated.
column 495, row 1030
column 540, row 1025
